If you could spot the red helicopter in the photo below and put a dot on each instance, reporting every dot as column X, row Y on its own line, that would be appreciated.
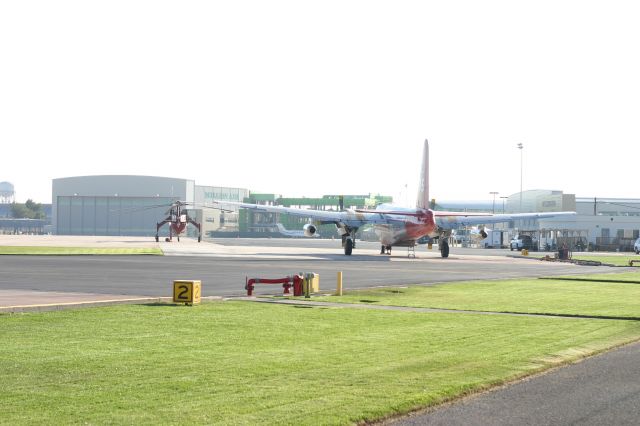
column 178, row 217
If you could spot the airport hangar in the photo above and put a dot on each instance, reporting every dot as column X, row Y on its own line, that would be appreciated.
column 132, row 205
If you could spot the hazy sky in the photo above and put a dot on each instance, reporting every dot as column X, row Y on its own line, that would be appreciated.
column 309, row 98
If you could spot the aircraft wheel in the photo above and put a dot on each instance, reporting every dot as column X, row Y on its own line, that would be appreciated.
column 199, row 238
column 348, row 247
column 157, row 239
column 444, row 250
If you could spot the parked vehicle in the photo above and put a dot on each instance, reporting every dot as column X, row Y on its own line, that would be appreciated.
column 493, row 239
column 520, row 242
column 636, row 246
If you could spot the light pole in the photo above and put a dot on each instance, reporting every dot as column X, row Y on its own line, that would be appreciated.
column 520, row 146
column 503, row 198
column 493, row 209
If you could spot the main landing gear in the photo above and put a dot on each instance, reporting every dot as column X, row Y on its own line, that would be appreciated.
column 349, row 244
column 385, row 249
column 349, row 241
column 444, row 247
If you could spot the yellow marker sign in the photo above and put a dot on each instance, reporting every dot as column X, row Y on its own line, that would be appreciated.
column 187, row 291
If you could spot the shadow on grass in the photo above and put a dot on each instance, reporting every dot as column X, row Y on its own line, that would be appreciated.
column 603, row 317
column 591, row 280
column 167, row 305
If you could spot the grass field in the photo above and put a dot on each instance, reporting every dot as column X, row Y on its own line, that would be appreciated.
column 616, row 260
column 622, row 277
column 610, row 260
column 252, row 363
column 532, row 296
column 62, row 251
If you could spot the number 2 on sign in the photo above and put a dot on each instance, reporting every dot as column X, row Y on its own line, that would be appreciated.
column 196, row 293
column 183, row 293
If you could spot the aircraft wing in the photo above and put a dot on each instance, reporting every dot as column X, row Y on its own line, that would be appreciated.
column 450, row 220
column 350, row 218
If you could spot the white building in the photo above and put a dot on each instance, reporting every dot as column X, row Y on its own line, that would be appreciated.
column 600, row 223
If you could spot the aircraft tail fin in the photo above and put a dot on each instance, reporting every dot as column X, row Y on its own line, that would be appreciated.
column 423, row 186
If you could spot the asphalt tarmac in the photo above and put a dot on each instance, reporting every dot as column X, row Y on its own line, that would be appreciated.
column 223, row 268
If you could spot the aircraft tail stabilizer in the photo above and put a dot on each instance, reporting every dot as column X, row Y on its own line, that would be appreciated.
column 423, row 186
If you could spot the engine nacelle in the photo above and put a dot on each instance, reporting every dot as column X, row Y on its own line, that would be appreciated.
column 309, row 230
column 478, row 234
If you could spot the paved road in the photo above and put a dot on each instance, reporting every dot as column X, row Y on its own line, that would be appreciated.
column 225, row 276
column 603, row 390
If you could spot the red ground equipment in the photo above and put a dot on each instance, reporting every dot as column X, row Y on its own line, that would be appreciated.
column 294, row 281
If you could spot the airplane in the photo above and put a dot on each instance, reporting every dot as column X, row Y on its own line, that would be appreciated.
column 397, row 226
column 295, row 234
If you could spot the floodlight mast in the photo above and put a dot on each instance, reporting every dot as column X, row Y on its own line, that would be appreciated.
column 520, row 147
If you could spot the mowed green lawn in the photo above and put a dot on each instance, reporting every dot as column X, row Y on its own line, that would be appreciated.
column 61, row 251
column 610, row 260
column 616, row 260
column 253, row 363
column 532, row 296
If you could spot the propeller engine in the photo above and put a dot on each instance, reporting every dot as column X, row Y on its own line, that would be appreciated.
column 483, row 233
column 478, row 234
column 309, row 230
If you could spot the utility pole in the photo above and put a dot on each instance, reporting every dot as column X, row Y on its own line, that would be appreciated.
column 503, row 198
column 493, row 209
column 520, row 146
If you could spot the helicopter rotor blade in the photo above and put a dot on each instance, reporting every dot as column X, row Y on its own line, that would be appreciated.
column 139, row 208
column 182, row 204
column 206, row 206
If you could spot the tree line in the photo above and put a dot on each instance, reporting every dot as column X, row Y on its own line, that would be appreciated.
column 28, row 210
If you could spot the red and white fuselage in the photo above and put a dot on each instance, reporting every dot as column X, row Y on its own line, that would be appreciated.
column 405, row 228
